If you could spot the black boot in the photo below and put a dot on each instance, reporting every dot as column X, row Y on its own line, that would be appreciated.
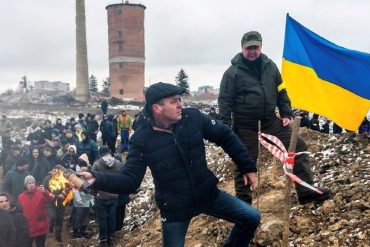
column 315, row 197
column 84, row 232
column 76, row 233
column 58, row 233
column 103, row 243
column 111, row 241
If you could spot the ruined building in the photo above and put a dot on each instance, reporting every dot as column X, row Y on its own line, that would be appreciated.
column 126, row 50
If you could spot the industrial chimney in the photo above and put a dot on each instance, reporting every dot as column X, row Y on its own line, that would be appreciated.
column 82, row 72
column 126, row 50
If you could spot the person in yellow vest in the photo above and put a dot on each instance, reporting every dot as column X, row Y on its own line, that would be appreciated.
column 78, row 132
column 124, row 125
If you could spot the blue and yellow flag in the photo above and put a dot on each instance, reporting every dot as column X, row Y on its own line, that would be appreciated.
column 324, row 78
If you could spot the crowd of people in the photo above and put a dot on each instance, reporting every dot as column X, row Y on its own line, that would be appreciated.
column 29, row 199
column 324, row 126
column 169, row 139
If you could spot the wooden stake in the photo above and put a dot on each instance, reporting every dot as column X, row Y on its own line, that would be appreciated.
column 274, row 170
column 288, row 184
column 258, row 168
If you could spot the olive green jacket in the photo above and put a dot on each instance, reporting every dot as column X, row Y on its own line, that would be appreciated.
column 245, row 99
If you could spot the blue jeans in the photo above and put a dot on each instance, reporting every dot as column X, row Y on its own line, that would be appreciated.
column 106, row 217
column 227, row 207
column 124, row 140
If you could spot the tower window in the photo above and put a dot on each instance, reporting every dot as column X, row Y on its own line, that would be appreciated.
column 120, row 34
column 120, row 48
column 120, row 65
column 121, row 91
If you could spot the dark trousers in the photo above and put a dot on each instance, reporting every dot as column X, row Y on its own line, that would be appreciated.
column 274, row 127
column 56, row 214
column 227, row 207
column 111, row 143
column 120, row 216
column 56, row 217
column 72, row 217
column 82, row 217
column 39, row 240
column 106, row 217
column 104, row 140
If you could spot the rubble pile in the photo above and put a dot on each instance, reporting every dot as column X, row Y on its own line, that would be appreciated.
column 340, row 162
column 343, row 164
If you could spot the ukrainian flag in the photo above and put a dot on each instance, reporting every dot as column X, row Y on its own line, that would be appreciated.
column 324, row 78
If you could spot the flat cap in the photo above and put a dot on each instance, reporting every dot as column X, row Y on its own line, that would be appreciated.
column 161, row 90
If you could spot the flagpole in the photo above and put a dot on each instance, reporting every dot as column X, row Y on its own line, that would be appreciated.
column 288, row 183
column 258, row 167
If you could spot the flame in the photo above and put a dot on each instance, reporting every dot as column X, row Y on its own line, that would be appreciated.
column 59, row 183
column 68, row 198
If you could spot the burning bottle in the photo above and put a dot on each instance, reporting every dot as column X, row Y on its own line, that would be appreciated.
column 77, row 181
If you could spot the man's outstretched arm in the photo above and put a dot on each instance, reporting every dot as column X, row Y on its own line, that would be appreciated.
column 126, row 181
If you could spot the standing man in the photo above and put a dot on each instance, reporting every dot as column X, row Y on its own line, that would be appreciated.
column 106, row 203
column 55, row 208
column 7, row 229
column 11, row 159
column 171, row 144
column 88, row 147
column 124, row 125
column 21, row 237
column 250, row 90
column 14, row 180
column 38, row 165
column 6, row 128
column 109, row 133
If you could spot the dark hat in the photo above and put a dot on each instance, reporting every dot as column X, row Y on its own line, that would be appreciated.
column 55, row 132
column 161, row 90
column 63, row 142
column 18, row 142
column 15, row 147
column 48, row 148
column 251, row 38
column 85, row 133
column 21, row 162
column 69, row 130
column 103, row 150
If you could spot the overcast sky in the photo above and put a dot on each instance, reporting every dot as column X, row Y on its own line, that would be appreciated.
column 38, row 36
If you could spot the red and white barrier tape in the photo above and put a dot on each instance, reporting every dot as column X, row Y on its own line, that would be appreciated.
column 276, row 148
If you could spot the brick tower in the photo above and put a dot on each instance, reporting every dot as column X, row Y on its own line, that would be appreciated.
column 126, row 50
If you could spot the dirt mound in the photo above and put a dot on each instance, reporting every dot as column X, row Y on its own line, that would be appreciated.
column 341, row 163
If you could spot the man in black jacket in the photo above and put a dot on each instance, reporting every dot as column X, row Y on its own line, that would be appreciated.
column 250, row 91
column 172, row 145
column 11, row 159
column 7, row 229
column 21, row 236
